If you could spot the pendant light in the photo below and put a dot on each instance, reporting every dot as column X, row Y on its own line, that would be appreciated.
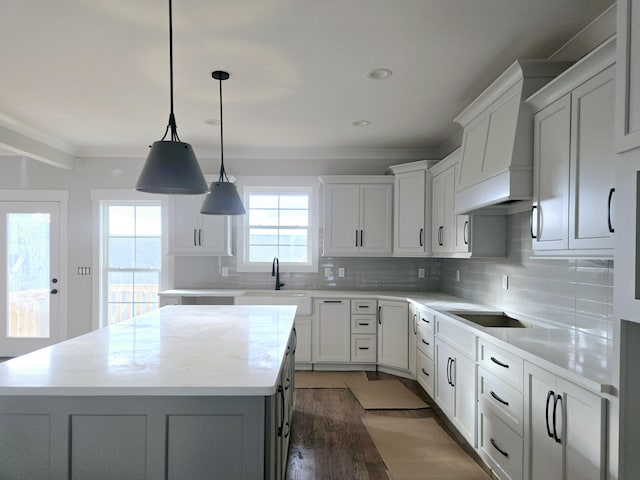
column 171, row 165
column 223, row 198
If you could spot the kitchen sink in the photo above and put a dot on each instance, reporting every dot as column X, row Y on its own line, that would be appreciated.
column 499, row 320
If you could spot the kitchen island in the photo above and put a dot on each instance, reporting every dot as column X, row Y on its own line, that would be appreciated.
column 183, row 392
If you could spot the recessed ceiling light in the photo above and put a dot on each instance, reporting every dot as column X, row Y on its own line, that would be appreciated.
column 212, row 121
column 379, row 73
column 361, row 123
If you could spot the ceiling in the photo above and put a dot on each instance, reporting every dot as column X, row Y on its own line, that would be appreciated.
column 93, row 74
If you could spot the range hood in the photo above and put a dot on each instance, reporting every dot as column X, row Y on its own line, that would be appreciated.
column 497, row 142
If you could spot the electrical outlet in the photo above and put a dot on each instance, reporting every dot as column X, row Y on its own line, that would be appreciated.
column 457, row 275
column 225, row 271
column 505, row 282
column 341, row 272
column 327, row 272
column 421, row 272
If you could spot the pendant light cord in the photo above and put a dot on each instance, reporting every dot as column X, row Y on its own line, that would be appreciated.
column 223, row 174
column 172, row 119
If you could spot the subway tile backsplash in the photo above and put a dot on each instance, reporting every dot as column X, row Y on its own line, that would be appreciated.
column 573, row 293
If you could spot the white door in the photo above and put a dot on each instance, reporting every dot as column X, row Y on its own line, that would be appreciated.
column 549, row 223
column 30, row 284
column 593, row 160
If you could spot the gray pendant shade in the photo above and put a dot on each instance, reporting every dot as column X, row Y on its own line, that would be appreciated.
column 171, row 168
column 171, row 165
column 222, row 199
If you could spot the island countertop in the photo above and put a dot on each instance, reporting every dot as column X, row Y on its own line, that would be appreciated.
column 176, row 350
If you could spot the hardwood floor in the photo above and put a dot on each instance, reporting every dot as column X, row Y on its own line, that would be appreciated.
column 328, row 440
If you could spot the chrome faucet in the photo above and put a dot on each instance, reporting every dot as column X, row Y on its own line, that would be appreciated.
column 275, row 272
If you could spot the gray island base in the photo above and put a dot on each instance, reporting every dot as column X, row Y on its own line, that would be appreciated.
column 203, row 420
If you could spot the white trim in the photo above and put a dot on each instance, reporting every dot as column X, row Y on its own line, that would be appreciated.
column 98, row 197
column 285, row 184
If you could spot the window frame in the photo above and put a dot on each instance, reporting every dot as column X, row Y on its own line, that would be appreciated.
column 265, row 184
column 102, row 199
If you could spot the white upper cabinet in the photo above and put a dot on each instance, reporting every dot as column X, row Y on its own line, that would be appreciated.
column 411, row 212
column 627, row 124
column 461, row 236
column 357, row 215
column 191, row 233
column 574, row 158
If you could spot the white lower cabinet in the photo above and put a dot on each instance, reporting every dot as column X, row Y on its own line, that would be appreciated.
column 456, row 388
column 364, row 346
column 303, row 340
column 499, row 446
column 393, row 334
column 331, row 330
column 565, row 429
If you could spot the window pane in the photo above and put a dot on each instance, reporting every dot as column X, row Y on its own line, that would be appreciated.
column 148, row 221
column 293, row 237
column 148, row 252
column 263, row 217
column 263, row 236
column 140, row 308
column 294, row 218
column 121, row 252
column 293, row 254
column 121, row 220
column 262, row 253
column 120, row 287
column 145, row 287
column 263, row 200
column 298, row 200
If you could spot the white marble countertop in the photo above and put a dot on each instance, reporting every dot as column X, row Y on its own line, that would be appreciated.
column 580, row 357
column 176, row 350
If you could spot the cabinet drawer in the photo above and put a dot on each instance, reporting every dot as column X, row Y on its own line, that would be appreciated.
column 463, row 340
column 425, row 342
column 363, row 349
column 500, row 446
column 364, row 306
column 503, row 400
column 505, row 365
column 363, row 324
column 426, row 321
column 426, row 373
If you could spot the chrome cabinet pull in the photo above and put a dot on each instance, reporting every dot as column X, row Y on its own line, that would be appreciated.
column 495, row 395
column 440, row 235
column 281, row 427
column 453, row 361
column 611, row 229
column 465, row 233
column 495, row 445
column 498, row 362
column 415, row 324
column 295, row 340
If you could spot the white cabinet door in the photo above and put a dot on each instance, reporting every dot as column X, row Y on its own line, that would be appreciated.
column 341, row 219
column 413, row 339
column 565, row 429
column 393, row 334
column 444, row 388
column 191, row 233
column 628, row 75
column 550, row 213
column 593, row 160
column 438, row 213
column 303, row 337
column 331, row 331
column 358, row 219
column 409, row 213
column 376, row 209
column 463, row 373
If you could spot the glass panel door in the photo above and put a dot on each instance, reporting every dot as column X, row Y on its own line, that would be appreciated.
column 29, row 297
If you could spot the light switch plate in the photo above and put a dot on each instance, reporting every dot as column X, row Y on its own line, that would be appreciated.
column 457, row 275
column 505, row 282
column 341, row 272
column 327, row 272
column 225, row 271
column 421, row 272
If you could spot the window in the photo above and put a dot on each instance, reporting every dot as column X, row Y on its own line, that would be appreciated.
column 281, row 221
column 129, row 256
